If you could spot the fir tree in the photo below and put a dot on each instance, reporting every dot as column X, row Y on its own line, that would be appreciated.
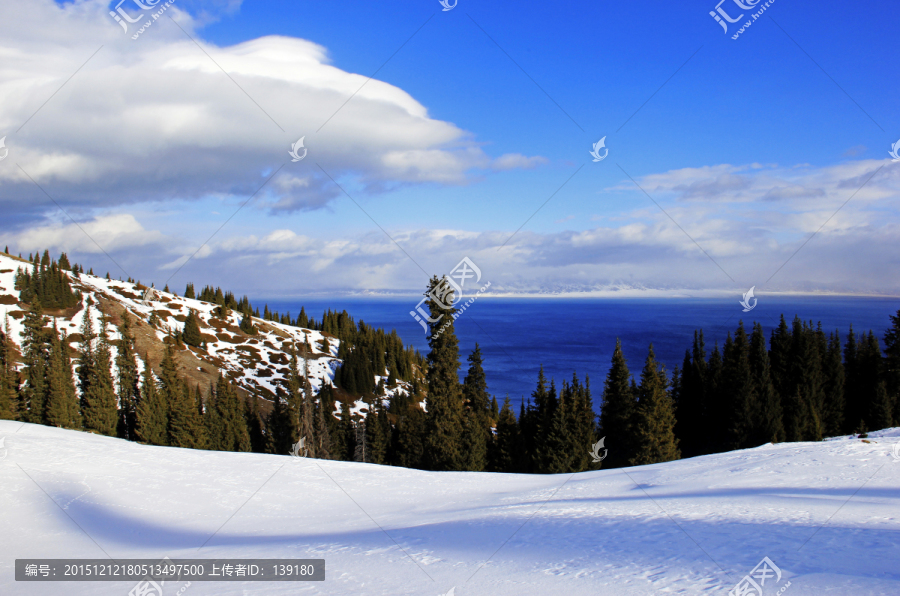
column 853, row 411
column 833, row 413
column 36, row 355
column 151, row 416
column 444, row 419
column 874, row 404
column 505, row 455
column 617, row 412
column 9, row 382
column 255, row 425
column 742, row 404
column 191, row 334
column 476, row 420
column 769, row 418
column 233, row 433
column 61, row 408
column 128, row 385
column 377, row 433
column 655, row 417
column 183, row 423
column 892, row 364
column 691, row 412
column 98, row 396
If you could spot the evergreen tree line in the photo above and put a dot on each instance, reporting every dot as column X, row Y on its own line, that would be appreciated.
column 804, row 385
column 120, row 400
column 364, row 351
column 47, row 282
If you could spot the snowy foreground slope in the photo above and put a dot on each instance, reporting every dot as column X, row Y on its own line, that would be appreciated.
column 694, row 526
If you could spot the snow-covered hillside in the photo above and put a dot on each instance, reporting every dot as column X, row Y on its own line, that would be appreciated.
column 255, row 363
column 826, row 514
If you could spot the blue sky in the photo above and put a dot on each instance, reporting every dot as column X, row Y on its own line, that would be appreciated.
column 750, row 145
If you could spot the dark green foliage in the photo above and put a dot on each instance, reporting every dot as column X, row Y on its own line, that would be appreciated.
column 477, row 422
column 229, row 431
column 61, row 408
column 184, row 426
column 129, row 391
column 654, row 419
column 151, row 416
column 692, row 423
column 617, row 412
column 48, row 283
column 247, row 324
column 189, row 291
column 444, row 420
column 36, row 357
column 191, row 334
column 505, row 456
column 98, row 395
column 741, row 407
column 892, row 364
column 408, row 437
column 9, row 378
column 833, row 368
column 256, row 426
column 377, row 434
column 768, row 419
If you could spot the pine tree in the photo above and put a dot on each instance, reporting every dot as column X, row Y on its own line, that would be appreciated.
column 617, row 412
column 377, row 433
column 768, row 424
column 875, row 405
column 191, row 334
column 61, row 408
column 98, row 395
column 655, row 417
column 255, row 425
column 505, row 455
column 691, row 413
column 36, row 354
column 715, row 397
column 151, row 417
column 307, row 411
column 9, row 382
column 892, row 364
column 742, row 399
column 444, row 419
column 233, row 433
column 182, row 424
column 833, row 413
column 476, row 419
column 128, row 385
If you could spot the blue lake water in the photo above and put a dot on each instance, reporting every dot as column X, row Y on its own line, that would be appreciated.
column 565, row 335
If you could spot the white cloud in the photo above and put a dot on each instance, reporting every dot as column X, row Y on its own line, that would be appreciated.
column 155, row 118
column 639, row 248
column 110, row 233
